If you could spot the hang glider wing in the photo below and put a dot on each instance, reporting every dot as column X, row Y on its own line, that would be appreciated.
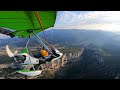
column 21, row 23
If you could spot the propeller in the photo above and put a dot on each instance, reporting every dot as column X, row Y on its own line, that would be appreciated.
column 9, row 52
column 15, row 53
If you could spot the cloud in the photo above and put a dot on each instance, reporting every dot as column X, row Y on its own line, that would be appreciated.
column 94, row 19
column 89, row 17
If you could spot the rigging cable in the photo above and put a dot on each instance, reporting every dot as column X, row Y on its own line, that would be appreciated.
column 37, row 15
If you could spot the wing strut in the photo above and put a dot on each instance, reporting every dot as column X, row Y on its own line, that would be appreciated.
column 40, row 41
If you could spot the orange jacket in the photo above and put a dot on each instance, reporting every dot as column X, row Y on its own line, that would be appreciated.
column 44, row 53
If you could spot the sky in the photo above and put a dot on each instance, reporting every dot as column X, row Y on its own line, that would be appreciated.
column 2, row 36
column 90, row 20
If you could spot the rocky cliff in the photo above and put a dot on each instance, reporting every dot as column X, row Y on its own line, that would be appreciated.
column 66, row 58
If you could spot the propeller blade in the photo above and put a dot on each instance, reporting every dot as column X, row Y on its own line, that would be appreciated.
column 9, row 52
column 15, row 52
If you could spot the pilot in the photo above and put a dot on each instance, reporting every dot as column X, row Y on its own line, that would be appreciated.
column 45, row 54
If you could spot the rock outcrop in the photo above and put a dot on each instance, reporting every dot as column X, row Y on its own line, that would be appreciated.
column 67, row 57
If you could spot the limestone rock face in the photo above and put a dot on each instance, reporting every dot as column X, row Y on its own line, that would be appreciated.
column 67, row 57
